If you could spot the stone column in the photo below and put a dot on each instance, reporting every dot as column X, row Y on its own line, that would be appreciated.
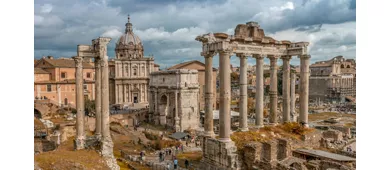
column 208, row 122
column 156, row 111
column 286, row 88
column 80, row 138
column 292, row 100
column 177, row 126
column 304, row 90
column 225, row 95
column 259, row 91
column 243, row 93
column 273, row 119
column 98, row 98
column 106, row 137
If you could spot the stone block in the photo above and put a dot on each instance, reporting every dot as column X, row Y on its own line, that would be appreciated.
column 333, row 134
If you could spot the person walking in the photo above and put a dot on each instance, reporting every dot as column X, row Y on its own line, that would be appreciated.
column 175, row 162
column 186, row 163
column 168, row 166
column 160, row 156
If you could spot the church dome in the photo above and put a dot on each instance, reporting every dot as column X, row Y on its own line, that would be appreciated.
column 129, row 45
column 129, row 38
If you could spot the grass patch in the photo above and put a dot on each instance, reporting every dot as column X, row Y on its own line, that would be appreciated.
column 191, row 156
column 66, row 158
column 288, row 130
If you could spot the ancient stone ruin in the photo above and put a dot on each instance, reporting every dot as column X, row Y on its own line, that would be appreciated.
column 248, row 40
column 102, row 138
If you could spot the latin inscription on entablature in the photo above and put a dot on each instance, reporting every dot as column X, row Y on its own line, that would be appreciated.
column 259, row 50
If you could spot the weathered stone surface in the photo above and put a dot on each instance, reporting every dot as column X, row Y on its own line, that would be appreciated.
column 220, row 155
column 335, row 135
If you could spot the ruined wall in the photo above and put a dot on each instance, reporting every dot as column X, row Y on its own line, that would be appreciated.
column 220, row 155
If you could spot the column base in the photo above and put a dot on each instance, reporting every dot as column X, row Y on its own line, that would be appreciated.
column 79, row 143
column 304, row 124
column 245, row 129
column 259, row 126
column 98, row 136
column 107, row 147
column 209, row 134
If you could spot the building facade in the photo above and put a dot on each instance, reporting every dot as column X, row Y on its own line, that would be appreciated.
column 54, row 79
column 333, row 80
column 172, row 99
column 200, row 67
column 130, row 70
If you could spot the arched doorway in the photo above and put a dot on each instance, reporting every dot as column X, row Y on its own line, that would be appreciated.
column 163, row 109
column 66, row 101
column 342, row 65
column 37, row 114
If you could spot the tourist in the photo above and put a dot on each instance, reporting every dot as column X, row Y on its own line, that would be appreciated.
column 186, row 163
column 161, row 156
column 170, row 151
column 168, row 166
column 175, row 163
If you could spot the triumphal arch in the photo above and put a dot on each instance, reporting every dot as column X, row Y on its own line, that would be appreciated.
column 248, row 40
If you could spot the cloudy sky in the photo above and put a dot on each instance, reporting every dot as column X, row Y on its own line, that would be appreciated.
column 168, row 28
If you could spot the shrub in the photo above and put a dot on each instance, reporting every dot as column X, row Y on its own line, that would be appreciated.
column 151, row 136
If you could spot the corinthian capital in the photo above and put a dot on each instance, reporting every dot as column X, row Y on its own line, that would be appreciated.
column 259, row 56
column 305, row 56
column 78, row 61
column 244, row 55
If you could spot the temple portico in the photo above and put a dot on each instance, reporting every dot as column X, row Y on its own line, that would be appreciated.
column 249, row 40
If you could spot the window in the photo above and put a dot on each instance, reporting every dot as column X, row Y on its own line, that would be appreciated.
column 49, row 87
column 85, row 87
column 88, row 75
column 135, row 72
column 63, row 75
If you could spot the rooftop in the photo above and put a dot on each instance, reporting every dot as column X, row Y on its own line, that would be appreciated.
column 62, row 62
column 181, row 65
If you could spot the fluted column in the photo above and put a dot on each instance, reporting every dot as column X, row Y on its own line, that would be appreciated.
column 292, row 100
column 286, row 88
column 273, row 90
column 225, row 95
column 208, row 122
column 98, row 98
column 80, row 138
column 243, row 93
column 259, row 90
column 304, row 90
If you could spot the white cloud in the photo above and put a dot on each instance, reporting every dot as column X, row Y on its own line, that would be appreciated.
column 46, row 8
column 287, row 5
column 179, row 35
column 112, row 33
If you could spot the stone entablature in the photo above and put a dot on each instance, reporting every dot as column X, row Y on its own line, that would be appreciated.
column 175, row 79
column 250, row 39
